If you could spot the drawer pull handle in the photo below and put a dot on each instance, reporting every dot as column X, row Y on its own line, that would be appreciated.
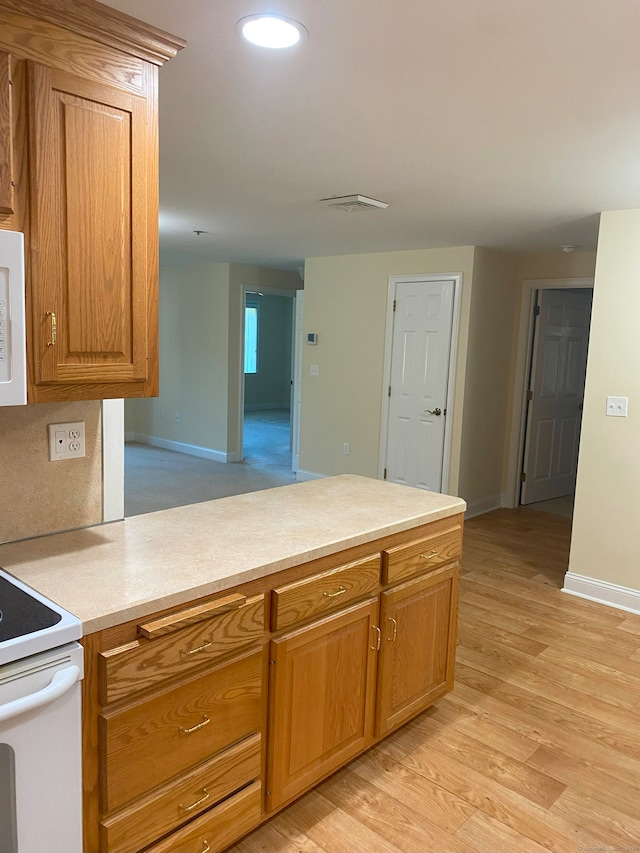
column 205, row 722
column 184, row 653
column 340, row 591
column 376, row 648
column 392, row 639
column 203, row 798
column 429, row 556
column 205, row 846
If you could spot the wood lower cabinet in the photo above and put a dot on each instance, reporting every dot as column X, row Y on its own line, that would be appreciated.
column 202, row 722
column 418, row 620
column 79, row 176
column 322, row 683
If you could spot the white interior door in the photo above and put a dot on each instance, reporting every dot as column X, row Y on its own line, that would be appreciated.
column 556, row 393
column 419, row 378
column 296, row 402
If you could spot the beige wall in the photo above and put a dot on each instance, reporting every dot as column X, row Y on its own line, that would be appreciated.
column 200, row 354
column 39, row 496
column 346, row 305
column 194, row 335
column 556, row 265
column 606, row 533
column 493, row 314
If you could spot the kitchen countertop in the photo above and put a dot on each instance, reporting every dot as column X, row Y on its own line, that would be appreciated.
column 115, row 572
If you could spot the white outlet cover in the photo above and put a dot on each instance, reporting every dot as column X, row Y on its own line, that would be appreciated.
column 66, row 441
column 617, row 407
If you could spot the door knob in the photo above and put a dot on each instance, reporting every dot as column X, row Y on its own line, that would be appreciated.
column 435, row 412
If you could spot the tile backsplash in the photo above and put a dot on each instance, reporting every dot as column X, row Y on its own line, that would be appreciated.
column 38, row 496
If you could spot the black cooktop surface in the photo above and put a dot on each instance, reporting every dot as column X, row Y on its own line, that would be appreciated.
column 22, row 614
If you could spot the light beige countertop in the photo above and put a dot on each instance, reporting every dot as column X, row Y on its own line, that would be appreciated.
column 115, row 572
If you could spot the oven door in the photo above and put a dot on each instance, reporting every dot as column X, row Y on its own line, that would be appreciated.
column 40, row 753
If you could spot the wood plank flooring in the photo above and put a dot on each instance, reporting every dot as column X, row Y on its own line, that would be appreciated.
column 538, row 746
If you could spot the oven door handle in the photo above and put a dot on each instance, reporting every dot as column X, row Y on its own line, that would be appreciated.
column 62, row 681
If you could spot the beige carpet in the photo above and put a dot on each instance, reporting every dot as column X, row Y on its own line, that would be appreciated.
column 159, row 479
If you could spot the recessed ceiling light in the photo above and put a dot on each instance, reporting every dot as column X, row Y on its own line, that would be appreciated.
column 274, row 31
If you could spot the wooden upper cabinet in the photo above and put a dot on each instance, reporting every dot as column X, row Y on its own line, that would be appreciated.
column 6, row 136
column 88, row 150
column 79, row 175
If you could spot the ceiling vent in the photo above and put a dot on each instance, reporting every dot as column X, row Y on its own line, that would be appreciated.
column 352, row 203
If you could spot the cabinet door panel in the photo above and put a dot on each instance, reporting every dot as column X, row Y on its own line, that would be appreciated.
column 321, row 698
column 418, row 623
column 88, row 253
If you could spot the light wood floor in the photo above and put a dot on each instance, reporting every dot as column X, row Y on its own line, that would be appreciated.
column 538, row 746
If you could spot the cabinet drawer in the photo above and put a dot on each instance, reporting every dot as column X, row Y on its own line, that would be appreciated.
column 179, row 643
column 422, row 555
column 218, row 828
column 146, row 744
column 167, row 808
column 323, row 593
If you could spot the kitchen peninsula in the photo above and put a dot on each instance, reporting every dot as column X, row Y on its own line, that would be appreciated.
column 240, row 650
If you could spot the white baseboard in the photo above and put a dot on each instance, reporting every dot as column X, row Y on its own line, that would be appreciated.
column 181, row 447
column 486, row 505
column 303, row 476
column 622, row 597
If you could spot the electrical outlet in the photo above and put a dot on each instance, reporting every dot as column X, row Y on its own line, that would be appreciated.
column 66, row 441
column 315, row 370
column 178, row 417
column 345, row 448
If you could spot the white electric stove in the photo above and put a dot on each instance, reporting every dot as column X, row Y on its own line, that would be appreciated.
column 41, row 666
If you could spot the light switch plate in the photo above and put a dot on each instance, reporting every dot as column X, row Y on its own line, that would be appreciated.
column 617, row 407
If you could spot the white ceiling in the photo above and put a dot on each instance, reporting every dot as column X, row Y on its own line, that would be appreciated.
column 504, row 123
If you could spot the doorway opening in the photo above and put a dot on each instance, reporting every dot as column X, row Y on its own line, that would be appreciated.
column 551, row 368
column 268, row 343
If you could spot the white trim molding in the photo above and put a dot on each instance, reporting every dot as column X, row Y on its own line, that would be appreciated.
column 611, row 594
column 112, row 460
column 304, row 476
column 486, row 505
column 181, row 447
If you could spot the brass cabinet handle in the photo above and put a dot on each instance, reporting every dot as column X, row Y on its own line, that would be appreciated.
column 206, row 847
column 340, row 591
column 54, row 328
column 429, row 556
column 205, row 722
column 184, row 653
column 205, row 796
column 395, row 630
column 376, row 648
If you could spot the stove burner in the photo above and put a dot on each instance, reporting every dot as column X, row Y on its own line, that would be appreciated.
column 22, row 614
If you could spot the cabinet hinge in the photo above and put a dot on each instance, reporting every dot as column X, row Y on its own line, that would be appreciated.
column 394, row 304
column 536, row 311
column 384, row 476
column 523, row 477
column 529, row 395
column 389, row 392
